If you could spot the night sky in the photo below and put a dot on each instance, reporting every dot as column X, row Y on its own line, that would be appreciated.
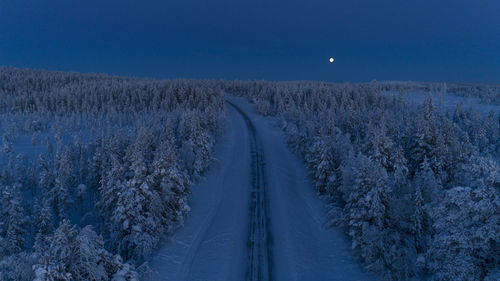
column 426, row 40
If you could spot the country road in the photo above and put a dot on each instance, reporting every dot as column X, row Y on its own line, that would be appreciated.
column 255, row 215
column 259, row 266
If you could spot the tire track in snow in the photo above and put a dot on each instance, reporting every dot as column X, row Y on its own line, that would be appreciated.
column 259, row 266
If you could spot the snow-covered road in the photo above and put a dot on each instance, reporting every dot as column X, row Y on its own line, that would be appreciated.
column 256, row 216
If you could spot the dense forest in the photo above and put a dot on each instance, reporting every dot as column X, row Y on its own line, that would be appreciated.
column 416, row 190
column 97, row 170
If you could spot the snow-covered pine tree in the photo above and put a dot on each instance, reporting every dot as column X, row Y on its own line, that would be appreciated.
column 420, row 220
column 46, row 178
column 424, row 141
column 78, row 255
column 88, row 256
column 135, row 216
column 322, row 163
column 17, row 267
column 378, row 147
column 426, row 180
column 172, row 183
column 15, row 219
column 366, row 211
column 64, row 184
column 54, row 263
column 467, row 234
column 124, row 271
column 202, row 144
column 44, row 225
column 492, row 126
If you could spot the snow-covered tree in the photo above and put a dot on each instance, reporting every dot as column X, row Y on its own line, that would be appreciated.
column 15, row 220
column 78, row 255
column 18, row 267
column 61, row 193
column 322, row 162
column 420, row 221
column 366, row 210
column 88, row 256
column 46, row 176
column 171, row 182
column 426, row 181
column 54, row 262
column 479, row 172
column 135, row 216
column 124, row 271
column 379, row 148
column 467, row 227
column 44, row 225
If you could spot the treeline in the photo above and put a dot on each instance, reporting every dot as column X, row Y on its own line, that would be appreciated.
column 487, row 93
column 416, row 190
column 96, row 170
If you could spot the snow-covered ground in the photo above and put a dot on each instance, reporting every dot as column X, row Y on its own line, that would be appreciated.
column 214, row 242
column 447, row 102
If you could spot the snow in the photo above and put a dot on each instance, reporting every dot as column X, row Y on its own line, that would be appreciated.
column 212, row 245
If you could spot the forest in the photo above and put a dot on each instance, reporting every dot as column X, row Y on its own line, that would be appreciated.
column 417, row 190
column 96, row 170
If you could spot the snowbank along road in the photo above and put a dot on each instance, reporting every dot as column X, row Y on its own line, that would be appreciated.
column 256, row 216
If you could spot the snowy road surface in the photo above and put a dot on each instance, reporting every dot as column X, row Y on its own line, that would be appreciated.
column 256, row 216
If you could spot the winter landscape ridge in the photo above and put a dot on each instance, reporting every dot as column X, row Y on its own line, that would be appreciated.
column 120, row 178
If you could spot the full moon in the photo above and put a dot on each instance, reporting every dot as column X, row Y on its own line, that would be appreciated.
column 332, row 60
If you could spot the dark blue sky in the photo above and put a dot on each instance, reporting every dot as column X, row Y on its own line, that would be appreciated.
column 431, row 40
